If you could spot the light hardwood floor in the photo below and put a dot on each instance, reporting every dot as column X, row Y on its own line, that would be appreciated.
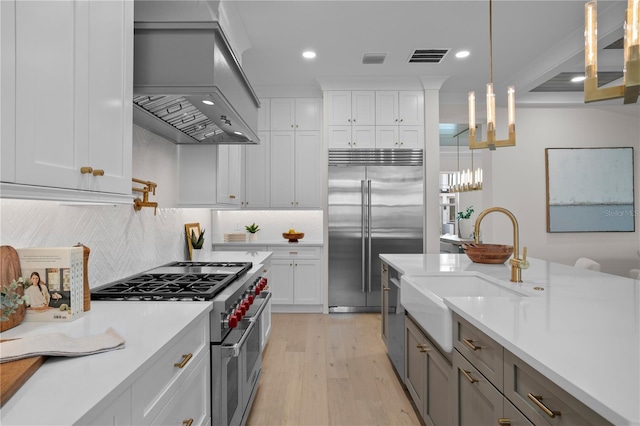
column 328, row 370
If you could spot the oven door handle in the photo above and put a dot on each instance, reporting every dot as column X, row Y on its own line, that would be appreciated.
column 263, row 305
column 234, row 350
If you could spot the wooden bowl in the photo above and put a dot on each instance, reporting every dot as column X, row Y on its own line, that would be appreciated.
column 293, row 238
column 488, row 253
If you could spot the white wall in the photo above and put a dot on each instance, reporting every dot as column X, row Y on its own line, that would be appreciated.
column 517, row 182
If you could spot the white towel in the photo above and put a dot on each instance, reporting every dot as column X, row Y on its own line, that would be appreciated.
column 59, row 344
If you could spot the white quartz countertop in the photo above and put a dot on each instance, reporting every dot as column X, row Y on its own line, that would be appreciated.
column 65, row 391
column 582, row 332
column 262, row 243
column 253, row 256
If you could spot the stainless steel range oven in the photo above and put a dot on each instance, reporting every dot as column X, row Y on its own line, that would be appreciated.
column 240, row 304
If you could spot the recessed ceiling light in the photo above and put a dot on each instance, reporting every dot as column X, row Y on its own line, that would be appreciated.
column 462, row 54
column 309, row 54
column 207, row 102
column 578, row 79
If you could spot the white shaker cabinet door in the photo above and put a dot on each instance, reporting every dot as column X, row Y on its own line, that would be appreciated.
column 282, row 168
column 281, row 281
column 308, row 169
column 73, row 94
column 256, row 192
column 307, row 282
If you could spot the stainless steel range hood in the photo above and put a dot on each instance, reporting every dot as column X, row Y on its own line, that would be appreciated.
column 189, row 87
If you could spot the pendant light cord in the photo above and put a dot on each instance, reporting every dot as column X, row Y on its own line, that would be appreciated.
column 491, row 41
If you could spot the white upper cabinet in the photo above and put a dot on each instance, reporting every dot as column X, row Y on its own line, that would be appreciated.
column 399, row 108
column 351, row 108
column 351, row 136
column 230, row 175
column 409, row 137
column 296, row 169
column 73, row 96
column 256, row 168
column 264, row 116
column 295, row 114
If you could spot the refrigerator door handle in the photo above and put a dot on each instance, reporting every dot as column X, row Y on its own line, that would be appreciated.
column 363, row 229
column 369, row 234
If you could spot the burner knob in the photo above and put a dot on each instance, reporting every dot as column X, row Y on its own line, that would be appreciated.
column 232, row 321
column 242, row 310
column 257, row 290
column 245, row 305
column 250, row 299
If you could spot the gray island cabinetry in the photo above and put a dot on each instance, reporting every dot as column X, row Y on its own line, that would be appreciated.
column 493, row 385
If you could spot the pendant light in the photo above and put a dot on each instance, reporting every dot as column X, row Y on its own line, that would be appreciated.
column 491, row 141
column 630, row 88
column 464, row 180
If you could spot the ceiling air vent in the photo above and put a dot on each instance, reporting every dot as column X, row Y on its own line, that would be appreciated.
column 562, row 82
column 428, row 56
column 373, row 58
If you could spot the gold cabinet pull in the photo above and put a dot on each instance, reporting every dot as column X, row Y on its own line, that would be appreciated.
column 185, row 360
column 504, row 422
column 470, row 344
column 86, row 170
column 538, row 401
column 423, row 347
column 233, row 197
column 386, row 289
column 467, row 374
column 187, row 422
column 98, row 172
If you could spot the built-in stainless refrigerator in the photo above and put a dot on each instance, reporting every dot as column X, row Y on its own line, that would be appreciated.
column 375, row 206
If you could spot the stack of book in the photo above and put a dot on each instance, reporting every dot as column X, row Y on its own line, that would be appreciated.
column 235, row 238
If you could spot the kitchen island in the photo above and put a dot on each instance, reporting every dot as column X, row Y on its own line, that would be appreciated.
column 66, row 391
column 582, row 331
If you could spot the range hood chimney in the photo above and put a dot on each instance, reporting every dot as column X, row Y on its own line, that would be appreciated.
column 188, row 85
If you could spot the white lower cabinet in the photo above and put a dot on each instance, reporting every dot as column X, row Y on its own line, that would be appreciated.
column 296, row 276
column 190, row 404
column 118, row 413
column 173, row 389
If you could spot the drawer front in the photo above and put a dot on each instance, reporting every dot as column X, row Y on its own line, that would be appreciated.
column 152, row 391
column 191, row 403
column 295, row 252
column 482, row 351
column 542, row 401
column 476, row 400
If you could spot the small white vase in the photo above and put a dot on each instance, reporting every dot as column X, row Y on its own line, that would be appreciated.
column 465, row 228
column 253, row 236
column 197, row 255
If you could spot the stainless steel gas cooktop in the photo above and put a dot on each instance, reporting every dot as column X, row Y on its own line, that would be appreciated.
column 179, row 281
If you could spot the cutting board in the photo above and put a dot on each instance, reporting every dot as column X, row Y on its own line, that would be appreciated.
column 14, row 374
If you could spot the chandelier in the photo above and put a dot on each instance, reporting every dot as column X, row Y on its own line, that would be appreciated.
column 630, row 88
column 491, row 141
column 464, row 180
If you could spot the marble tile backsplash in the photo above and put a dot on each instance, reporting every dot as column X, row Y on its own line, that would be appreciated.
column 272, row 223
column 122, row 242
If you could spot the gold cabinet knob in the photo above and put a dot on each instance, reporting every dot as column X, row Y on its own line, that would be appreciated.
column 98, row 172
column 86, row 170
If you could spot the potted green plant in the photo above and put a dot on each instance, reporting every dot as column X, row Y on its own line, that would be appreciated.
column 465, row 226
column 252, row 230
column 13, row 302
column 197, row 241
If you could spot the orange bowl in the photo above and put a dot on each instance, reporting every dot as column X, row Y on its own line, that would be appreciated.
column 488, row 253
column 293, row 238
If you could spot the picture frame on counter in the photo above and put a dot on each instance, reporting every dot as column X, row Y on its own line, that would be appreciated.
column 195, row 228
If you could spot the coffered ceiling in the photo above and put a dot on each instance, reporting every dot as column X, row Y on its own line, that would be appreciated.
column 535, row 43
